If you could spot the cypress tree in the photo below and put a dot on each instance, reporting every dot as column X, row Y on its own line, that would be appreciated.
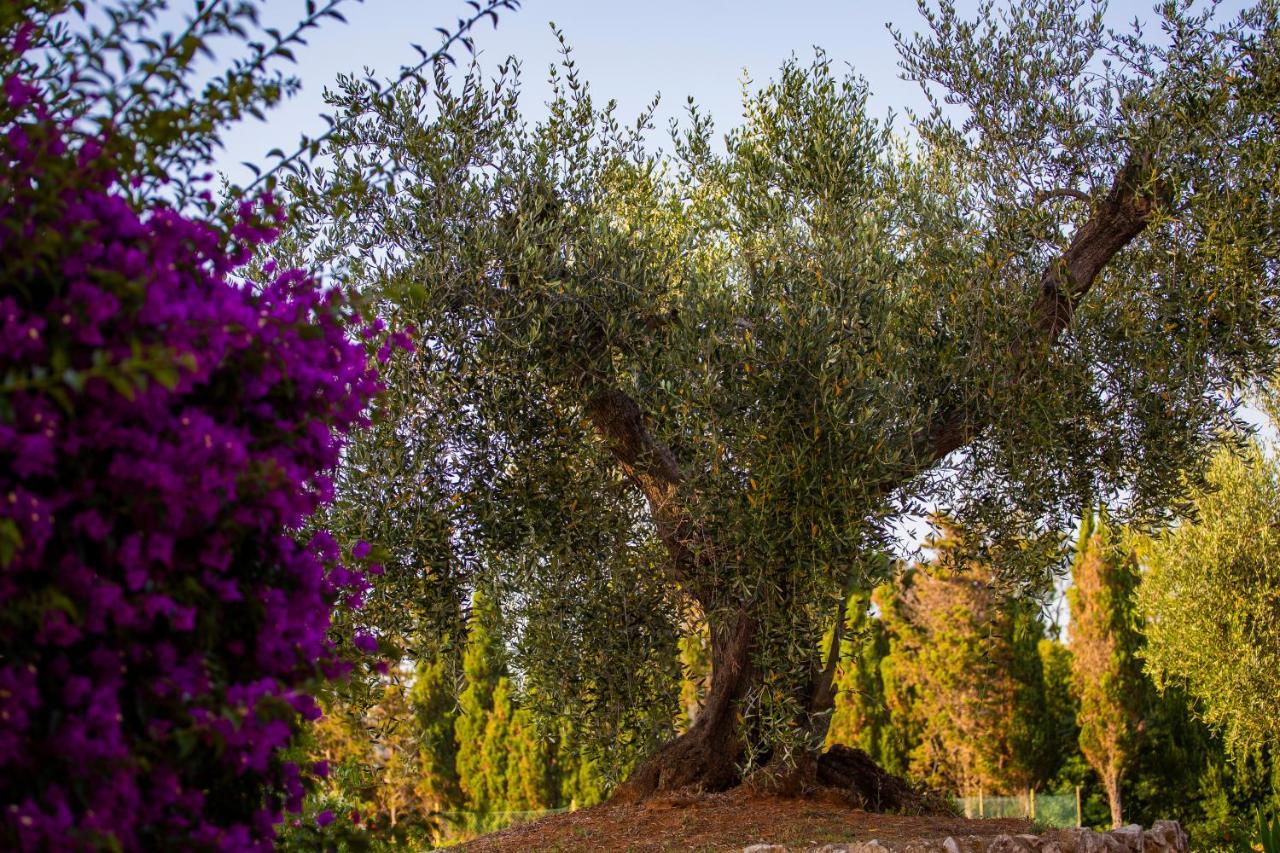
column 579, row 781
column 434, row 705
column 529, row 779
column 964, row 679
column 1061, row 734
column 861, row 716
column 479, row 763
column 1106, row 671
column 490, row 785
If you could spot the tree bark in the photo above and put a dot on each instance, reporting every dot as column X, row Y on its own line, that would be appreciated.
column 1112, row 785
column 707, row 757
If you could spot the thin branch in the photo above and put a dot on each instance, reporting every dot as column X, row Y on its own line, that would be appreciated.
column 488, row 9
column 1062, row 192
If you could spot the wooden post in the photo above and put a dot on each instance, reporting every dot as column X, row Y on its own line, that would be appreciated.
column 1031, row 793
column 1079, row 819
column 982, row 810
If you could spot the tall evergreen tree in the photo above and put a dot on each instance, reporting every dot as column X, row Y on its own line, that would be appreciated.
column 480, row 762
column 861, row 715
column 489, row 787
column 1061, row 734
column 433, row 699
column 967, row 674
column 529, row 765
column 1105, row 642
column 579, row 781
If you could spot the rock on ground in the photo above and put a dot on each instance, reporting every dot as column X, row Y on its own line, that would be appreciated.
column 1165, row 836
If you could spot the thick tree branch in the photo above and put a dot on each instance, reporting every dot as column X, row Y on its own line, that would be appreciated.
column 1115, row 221
column 1121, row 217
column 652, row 467
column 646, row 460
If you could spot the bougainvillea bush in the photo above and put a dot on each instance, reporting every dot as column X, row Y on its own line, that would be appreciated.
column 165, row 429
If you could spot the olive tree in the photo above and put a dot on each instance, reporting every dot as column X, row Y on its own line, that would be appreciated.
column 1211, row 598
column 652, row 389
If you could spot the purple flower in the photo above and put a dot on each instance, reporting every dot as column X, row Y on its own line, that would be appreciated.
column 166, row 627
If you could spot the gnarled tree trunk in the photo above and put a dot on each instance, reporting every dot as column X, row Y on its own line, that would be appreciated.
column 709, row 754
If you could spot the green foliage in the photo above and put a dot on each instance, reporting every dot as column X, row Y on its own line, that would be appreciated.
column 439, row 753
column 1227, row 655
column 1173, row 761
column 126, row 80
column 1267, row 834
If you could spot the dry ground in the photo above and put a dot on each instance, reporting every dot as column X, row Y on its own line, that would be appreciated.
column 728, row 821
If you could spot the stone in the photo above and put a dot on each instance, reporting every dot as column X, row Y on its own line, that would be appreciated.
column 1166, row 836
column 1130, row 836
column 1077, row 840
column 1098, row 842
column 1069, row 839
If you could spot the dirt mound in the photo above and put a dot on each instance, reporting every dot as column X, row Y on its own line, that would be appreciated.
column 730, row 821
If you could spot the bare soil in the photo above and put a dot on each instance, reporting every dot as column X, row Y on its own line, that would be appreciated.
column 727, row 821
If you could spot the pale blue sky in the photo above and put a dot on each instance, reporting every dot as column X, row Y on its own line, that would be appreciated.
column 627, row 51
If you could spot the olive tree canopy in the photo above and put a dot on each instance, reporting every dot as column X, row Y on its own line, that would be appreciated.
column 715, row 378
column 1211, row 601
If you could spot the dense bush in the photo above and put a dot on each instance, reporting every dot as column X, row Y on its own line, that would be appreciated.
column 165, row 429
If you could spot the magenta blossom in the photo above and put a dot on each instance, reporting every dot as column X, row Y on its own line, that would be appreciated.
column 165, row 430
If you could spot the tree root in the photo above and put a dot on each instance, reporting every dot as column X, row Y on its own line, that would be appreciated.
column 871, row 787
